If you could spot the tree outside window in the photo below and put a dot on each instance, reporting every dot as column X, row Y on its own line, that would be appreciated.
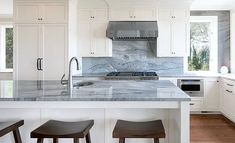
column 203, row 44
column 6, row 47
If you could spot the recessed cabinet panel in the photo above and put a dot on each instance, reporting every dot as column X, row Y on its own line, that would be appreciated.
column 179, row 39
column 27, row 13
column 144, row 14
column 99, row 42
column 211, row 101
column 164, row 15
column 84, row 15
column 120, row 15
column 55, row 13
column 84, row 39
column 92, row 39
column 100, row 14
column 164, row 39
column 54, row 51
column 172, row 33
column 27, row 47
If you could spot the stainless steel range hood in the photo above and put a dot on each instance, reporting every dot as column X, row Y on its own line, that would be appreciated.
column 132, row 30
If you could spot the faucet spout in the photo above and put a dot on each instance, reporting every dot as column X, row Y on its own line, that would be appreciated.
column 70, row 80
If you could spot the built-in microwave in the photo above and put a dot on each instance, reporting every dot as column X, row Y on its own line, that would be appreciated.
column 193, row 87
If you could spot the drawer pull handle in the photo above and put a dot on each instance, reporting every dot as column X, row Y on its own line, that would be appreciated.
column 230, row 85
column 191, row 104
column 229, row 91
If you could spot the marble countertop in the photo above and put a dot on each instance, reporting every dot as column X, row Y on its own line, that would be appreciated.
column 101, row 90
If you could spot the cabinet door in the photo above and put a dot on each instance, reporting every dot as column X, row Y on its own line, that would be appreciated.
column 26, row 51
column 84, row 15
column 164, row 15
column 54, row 50
column 211, row 101
column 144, row 14
column 84, row 39
column 178, row 39
column 27, row 13
column 121, row 15
column 179, row 14
column 99, row 42
column 100, row 15
column 54, row 13
column 164, row 39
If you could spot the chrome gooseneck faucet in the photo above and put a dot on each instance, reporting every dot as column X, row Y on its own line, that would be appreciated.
column 69, row 82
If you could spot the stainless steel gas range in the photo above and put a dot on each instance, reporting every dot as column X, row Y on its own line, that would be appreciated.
column 132, row 76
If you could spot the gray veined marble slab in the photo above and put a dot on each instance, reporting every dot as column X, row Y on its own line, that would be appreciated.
column 101, row 90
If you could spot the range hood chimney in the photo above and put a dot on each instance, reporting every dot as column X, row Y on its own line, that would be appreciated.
column 132, row 30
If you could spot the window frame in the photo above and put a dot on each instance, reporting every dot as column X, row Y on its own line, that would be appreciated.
column 213, row 66
column 3, row 27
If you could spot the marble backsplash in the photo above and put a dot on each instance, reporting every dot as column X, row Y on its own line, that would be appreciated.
column 133, row 56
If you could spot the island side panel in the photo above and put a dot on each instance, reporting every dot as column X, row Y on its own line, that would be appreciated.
column 179, row 122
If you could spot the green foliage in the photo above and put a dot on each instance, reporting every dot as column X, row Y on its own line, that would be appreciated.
column 199, row 47
column 9, row 48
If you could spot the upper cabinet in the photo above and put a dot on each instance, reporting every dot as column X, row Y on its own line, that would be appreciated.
column 92, row 41
column 124, row 14
column 173, row 32
column 33, row 12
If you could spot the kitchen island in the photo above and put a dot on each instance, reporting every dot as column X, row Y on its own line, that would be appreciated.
column 105, row 101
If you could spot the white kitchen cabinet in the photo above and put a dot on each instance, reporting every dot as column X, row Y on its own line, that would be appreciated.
column 211, row 99
column 92, row 40
column 36, row 12
column 228, row 99
column 54, row 51
column 26, row 51
column 141, row 14
column 45, row 41
column 172, row 40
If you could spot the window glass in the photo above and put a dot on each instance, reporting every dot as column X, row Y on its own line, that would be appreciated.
column 9, row 47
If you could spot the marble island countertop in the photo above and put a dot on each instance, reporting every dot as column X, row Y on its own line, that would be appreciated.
column 100, row 90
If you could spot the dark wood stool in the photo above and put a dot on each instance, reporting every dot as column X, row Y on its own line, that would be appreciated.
column 58, row 129
column 127, row 129
column 7, row 127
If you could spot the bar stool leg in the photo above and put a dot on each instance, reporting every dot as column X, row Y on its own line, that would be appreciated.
column 88, row 138
column 55, row 140
column 76, row 140
column 17, row 137
column 156, row 140
column 121, row 140
column 40, row 140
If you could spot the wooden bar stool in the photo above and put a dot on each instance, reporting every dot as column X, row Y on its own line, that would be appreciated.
column 126, row 129
column 58, row 129
column 7, row 127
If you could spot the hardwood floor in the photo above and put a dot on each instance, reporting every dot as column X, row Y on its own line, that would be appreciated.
column 211, row 129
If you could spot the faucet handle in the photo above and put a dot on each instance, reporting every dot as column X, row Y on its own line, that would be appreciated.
column 62, row 81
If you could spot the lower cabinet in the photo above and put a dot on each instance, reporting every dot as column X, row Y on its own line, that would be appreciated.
column 211, row 94
column 228, row 99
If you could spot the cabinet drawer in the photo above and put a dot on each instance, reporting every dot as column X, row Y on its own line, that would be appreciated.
column 196, row 105
column 229, row 86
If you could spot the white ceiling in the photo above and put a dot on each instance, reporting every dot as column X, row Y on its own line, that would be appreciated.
column 213, row 4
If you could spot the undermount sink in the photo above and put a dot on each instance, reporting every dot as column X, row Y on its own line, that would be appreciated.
column 84, row 83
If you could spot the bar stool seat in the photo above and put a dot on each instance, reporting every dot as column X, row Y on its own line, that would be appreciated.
column 128, row 129
column 13, row 126
column 59, row 129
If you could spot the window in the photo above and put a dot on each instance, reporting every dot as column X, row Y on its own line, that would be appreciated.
column 6, row 48
column 203, row 44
